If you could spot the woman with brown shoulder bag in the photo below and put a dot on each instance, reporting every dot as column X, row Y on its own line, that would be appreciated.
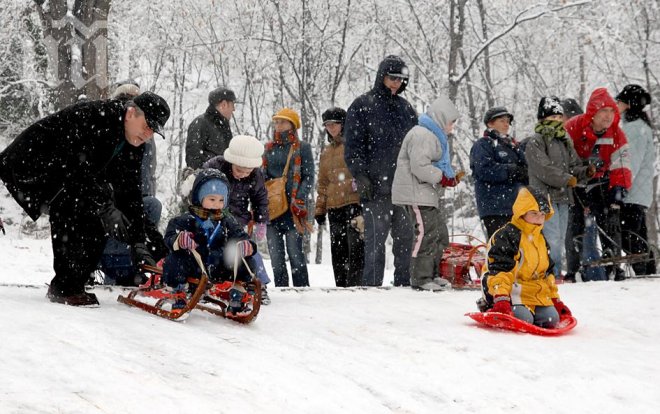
column 289, row 169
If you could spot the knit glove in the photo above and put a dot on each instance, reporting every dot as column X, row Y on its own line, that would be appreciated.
column 364, row 187
column 452, row 182
column 502, row 305
column 320, row 219
column 572, row 182
column 298, row 209
column 115, row 223
column 143, row 255
column 616, row 195
column 244, row 248
column 562, row 309
column 186, row 241
column 260, row 231
column 518, row 173
column 591, row 170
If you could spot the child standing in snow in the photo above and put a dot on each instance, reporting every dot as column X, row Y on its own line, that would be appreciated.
column 519, row 278
column 423, row 170
column 208, row 228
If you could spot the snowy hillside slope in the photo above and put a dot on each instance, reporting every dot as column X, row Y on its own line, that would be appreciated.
column 379, row 351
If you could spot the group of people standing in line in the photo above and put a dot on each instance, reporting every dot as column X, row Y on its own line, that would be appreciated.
column 383, row 172
column 597, row 171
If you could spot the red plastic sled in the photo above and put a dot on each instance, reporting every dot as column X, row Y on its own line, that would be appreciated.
column 511, row 323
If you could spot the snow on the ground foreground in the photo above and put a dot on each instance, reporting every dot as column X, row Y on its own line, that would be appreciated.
column 381, row 351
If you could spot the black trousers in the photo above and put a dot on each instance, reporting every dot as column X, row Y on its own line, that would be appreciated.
column 346, row 247
column 78, row 241
column 609, row 223
column 573, row 237
column 634, row 236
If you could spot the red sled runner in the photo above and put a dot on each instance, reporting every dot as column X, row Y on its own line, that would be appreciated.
column 235, row 300
column 458, row 259
column 511, row 323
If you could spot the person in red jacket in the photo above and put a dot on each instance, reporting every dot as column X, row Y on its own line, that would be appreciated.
column 600, row 141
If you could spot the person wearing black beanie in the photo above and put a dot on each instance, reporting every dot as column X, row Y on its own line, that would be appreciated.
column 338, row 199
column 637, row 126
column 554, row 168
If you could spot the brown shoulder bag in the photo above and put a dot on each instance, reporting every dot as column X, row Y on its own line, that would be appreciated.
column 276, row 187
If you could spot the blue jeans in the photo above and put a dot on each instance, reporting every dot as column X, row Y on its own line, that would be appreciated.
column 278, row 231
column 544, row 316
column 590, row 251
column 259, row 268
column 381, row 217
column 554, row 231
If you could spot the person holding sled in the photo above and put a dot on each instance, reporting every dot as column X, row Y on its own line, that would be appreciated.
column 599, row 140
column 248, row 203
column 116, row 262
column 209, row 229
column 519, row 278
column 423, row 170
column 337, row 197
column 82, row 166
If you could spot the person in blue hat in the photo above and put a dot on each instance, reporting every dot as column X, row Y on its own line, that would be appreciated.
column 211, row 230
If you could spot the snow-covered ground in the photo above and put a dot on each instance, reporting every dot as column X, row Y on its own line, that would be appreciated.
column 379, row 351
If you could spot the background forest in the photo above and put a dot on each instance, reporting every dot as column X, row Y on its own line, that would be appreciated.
column 311, row 54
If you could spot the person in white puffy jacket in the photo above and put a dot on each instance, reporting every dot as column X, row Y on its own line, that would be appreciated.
column 423, row 168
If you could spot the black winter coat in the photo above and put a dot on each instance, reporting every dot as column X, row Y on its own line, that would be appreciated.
column 376, row 124
column 494, row 161
column 208, row 135
column 247, row 191
column 78, row 154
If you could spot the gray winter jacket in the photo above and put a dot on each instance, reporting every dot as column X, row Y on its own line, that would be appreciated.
column 642, row 162
column 551, row 162
column 416, row 180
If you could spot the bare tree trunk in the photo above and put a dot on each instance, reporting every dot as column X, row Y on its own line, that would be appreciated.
column 487, row 75
column 583, row 77
column 77, row 48
column 456, row 28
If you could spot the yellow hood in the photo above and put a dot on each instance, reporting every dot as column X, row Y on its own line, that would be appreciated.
column 529, row 199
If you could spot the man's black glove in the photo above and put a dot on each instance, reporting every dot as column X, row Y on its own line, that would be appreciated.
column 364, row 187
column 142, row 255
column 320, row 219
column 518, row 173
column 115, row 223
column 616, row 195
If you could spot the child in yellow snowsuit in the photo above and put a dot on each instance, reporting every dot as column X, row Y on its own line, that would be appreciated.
column 519, row 278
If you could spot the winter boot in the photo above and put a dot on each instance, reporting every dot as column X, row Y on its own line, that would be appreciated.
column 265, row 299
column 430, row 286
column 236, row 295
column 83, row 299
column 442, row 282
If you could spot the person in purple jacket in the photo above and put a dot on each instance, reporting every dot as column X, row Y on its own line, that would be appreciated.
column 249, row 199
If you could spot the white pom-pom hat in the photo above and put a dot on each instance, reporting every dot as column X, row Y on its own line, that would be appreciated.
column 244, row 151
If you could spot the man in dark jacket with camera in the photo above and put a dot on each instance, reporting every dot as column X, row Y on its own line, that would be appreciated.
column 82, row 166
column 376, row 123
